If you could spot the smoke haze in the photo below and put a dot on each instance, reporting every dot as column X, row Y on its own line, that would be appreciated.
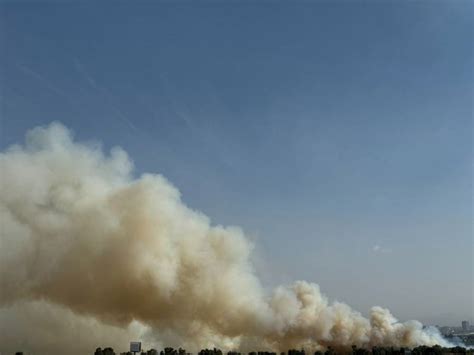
column 91, row 256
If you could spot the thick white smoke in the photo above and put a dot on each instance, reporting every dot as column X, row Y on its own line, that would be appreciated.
column 87, row 251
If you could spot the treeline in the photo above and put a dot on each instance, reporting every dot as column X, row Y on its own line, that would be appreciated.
column 420, row 350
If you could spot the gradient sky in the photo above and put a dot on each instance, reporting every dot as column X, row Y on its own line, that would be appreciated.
column 337, row 134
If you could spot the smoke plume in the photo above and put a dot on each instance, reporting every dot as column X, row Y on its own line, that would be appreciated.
column 92, row 256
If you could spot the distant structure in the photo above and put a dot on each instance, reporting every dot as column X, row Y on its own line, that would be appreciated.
column 135, row 347
column 465, row 325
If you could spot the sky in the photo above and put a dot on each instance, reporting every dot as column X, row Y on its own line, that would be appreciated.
column 337, row 134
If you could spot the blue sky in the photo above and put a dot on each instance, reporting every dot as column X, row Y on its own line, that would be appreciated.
column 337, row 134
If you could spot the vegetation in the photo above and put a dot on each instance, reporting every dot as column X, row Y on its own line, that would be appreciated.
column 420, row 350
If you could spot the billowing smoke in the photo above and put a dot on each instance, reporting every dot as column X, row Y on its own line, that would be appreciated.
column 92, row 256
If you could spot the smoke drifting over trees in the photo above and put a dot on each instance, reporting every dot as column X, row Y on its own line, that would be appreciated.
column 90, row 255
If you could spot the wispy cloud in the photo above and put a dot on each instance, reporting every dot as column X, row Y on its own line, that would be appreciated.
column 110, row 98
column 378, row 249
column 47, row 83
column 203, row 129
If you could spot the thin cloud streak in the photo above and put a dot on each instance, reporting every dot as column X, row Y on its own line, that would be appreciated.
column 105, row 93
column 27, row 70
